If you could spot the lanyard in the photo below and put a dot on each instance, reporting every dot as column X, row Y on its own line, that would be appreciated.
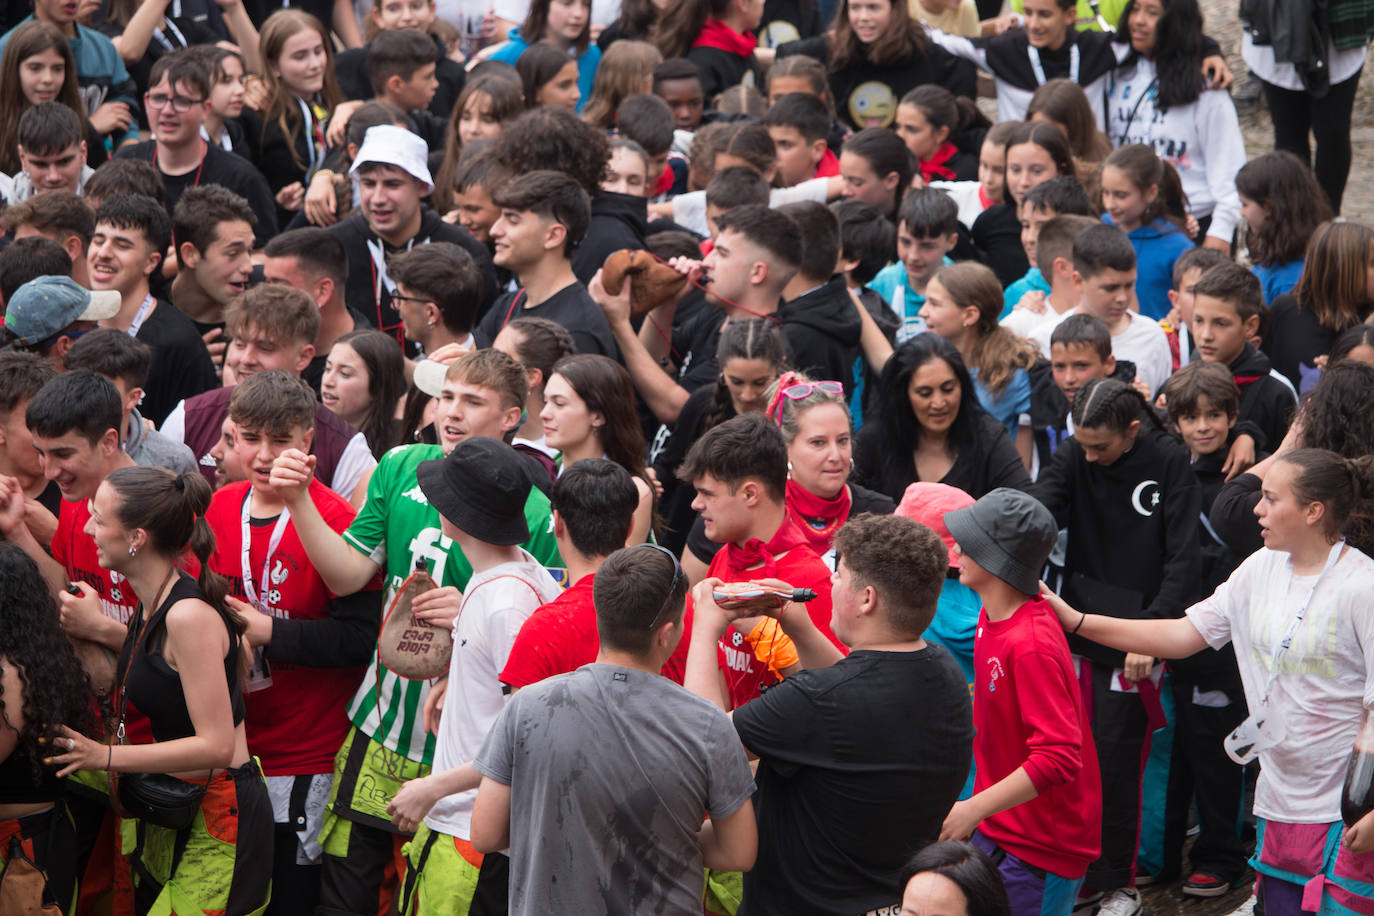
column 1287, row 639
column 160, row 35
column 314, row 140
column 142, row 314
column 1034, row 54
column 250, row 586
column 380, row 279
column 1126, row 131
column 204, row 154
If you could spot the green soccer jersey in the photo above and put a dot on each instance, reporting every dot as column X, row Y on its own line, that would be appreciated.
column 395, row 528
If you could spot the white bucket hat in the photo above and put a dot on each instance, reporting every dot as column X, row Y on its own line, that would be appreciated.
column 391, row 145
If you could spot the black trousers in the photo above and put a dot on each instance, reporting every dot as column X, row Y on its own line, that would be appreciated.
column 1296, row 114
column 1119, row 724
column 354, row 884
column 1200, row 770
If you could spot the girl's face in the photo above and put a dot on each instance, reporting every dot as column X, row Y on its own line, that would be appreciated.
column 992, row 170
column 1255, row 214
column 920, row 136
column 943, row 315
column 567, row 19
column 1124, row 200
column 103, row 528
column 567, row 421
column 344, row 386
column 862, row 183
column 747, row 380
column 931, row 893
column 1047, row 24
column 301, row 65
column 869, row 19
column 625, row 173
column 403, row 14
column 1283, row 518
column 477, row 120
column 1144, row 22
column 1106, row 446
column 1028, row 164
column 934, row 394
column 561, row 91
column 226, row 96
column 41, row 76
column 820, row 455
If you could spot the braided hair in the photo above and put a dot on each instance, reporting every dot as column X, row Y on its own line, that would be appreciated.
column 1108, row 403
column 742, row 338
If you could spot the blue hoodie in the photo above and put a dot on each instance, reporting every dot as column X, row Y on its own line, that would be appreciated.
column 587, row 62
column 1032, row 281
column 1157, row 246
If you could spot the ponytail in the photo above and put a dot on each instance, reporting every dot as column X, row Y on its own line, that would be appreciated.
column 1345, row 486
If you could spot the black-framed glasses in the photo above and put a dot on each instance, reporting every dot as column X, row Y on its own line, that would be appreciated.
column 180, row 103
column 677, row 577
column 396, row 296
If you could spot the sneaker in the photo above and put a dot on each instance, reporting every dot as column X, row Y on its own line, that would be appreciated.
column 1201, row 884
column 1122, row 902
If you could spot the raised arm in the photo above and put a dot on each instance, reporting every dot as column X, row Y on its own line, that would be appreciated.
column 343, row 569
column 642, row 352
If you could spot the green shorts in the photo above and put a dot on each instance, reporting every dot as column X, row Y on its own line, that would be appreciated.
column 367, row 777
column 445, row 876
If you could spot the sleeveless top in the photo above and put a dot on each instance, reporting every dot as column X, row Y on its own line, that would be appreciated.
column 153, row 686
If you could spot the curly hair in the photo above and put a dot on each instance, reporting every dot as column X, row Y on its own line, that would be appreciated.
column 56, row 688
column 556, row 138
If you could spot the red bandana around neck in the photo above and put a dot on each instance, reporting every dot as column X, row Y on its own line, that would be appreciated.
column 934, row 168
column 818, row 518
column 739, row 559
column 716, row 34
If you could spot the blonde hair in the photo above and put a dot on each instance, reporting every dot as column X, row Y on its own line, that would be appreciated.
column 625, row 68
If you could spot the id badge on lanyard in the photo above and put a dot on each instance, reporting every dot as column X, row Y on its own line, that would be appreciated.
column 259, row 591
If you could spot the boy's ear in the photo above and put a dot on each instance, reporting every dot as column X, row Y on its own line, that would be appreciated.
column 309, row 438
column 818, row 148
column 393, row 83
column 1110, row 365
column 848, row 264
column 306, row 355
column 1231, row 421
column 951, row 240
column 188, row 255
column 1251, row 327
column 555, row 235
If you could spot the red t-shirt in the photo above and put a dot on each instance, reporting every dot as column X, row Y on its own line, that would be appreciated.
column 1028, row 712
column 829, row 166
column 296, row 725
column 745, row 672
column 558, row 637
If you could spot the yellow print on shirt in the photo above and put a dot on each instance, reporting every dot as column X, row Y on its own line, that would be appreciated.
column 1313, row 649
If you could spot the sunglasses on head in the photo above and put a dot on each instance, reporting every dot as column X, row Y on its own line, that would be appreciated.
column 677, row 577
column 800, row 390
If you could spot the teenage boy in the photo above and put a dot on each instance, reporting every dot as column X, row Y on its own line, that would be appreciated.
column 757, row 252
column 392, row 174
column 52, row 153
column 841, row 743
column 647, row 120
column 438, row 292
column 739, row 471
column 677, row 81
column 927, row 231
column 818, row 318
column 1080, row 350
column 23, row 375
column 1042, row 203
column 731, row 187
column 400, row 67
column 273, row 327
column 131, row 236
column 593, row 508
column 48, row 314
column 799, row 124
column 391, row 739
column 1104, row 275
column 212, row 229
column 1037, row 315
column 1228, row 303
column 1177, row 325
column 178, row 99
column 315, row 642
column 630, row 719
column 312, row 260
column 477, row 175
column 544, row 217
column 58, row 215
column 1036, row 805
column 29, row 258
column 124, row 361
column 351, row 66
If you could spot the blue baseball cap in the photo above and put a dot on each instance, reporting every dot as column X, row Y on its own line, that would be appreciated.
column 46, row 306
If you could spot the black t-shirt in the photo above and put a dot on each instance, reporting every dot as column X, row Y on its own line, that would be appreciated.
column 694, row 347
column 861, row 500
column 180, row 366
column 224, row 169
column 859, row 763
column 572, row 307
column 997, row 236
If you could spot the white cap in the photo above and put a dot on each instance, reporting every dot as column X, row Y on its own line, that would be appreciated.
column 429, row 377
column 391, row 145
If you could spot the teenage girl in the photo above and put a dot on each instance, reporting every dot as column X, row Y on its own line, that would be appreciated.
column 1061, row 102
column 929, row 120
column 973, row 197
column 286, row 136
column 626, row 69
column 1297, row 612
column 565, row 24
column 484, row 107
column 1035, row 153
column 549, row 76
column 1142, row 197
column 38, row 61
column 716, row 35
column 363, row 383
column 1126, row 492
column 226, row 69
column 1159, row 99
column 1335, row 291
column 1282, row 206
column 963, row 303
column 876, row 168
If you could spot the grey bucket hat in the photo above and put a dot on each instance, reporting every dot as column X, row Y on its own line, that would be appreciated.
column 1008, row 533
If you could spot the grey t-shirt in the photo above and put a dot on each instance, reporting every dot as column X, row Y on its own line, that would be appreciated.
column 612, row 771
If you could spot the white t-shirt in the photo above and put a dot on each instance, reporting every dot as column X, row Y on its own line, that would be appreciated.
column 689, row 210
column 1143, row 343
column 1324, row 682
column 496, row 604
column 965, row 195
column 1036, row 326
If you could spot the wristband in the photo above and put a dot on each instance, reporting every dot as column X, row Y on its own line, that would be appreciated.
column 1082, row 616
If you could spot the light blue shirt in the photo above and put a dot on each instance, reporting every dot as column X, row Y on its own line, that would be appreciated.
column 891, row 283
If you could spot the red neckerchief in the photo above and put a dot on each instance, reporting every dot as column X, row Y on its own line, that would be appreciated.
column 716, row 34
column 934, row 168
column 664, row 183
column 817, row 517
column 829, row 165
column 739, row 560
column 1243, row 380
column 983, row 197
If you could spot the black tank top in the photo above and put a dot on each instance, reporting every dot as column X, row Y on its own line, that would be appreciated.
column 153, row 686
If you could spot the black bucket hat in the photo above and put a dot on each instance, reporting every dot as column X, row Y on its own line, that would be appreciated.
column 481, row 486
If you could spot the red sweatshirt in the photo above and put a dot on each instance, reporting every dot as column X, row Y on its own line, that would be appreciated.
column 1028, row 712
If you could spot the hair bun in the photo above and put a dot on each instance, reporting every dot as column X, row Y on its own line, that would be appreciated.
column 180, row 483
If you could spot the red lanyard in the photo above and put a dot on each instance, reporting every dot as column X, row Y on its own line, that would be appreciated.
column 204, row 153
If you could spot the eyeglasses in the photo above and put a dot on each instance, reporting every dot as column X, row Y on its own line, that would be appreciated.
column 180, row 103
column 677, row 577
column 396, row 296
column 802, row 389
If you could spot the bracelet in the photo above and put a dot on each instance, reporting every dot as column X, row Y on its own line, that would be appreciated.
column 109, row 758
column 1082, row 617
column 329, row 172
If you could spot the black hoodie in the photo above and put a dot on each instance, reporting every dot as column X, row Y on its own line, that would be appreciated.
column 350, row 69
column 1133, row 544
column 1049, row 410
column 619, row 221
column 364, row 292
column 1264, row 400
column 822, row 331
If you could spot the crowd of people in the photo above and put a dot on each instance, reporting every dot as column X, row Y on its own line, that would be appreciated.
column 565, row 456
